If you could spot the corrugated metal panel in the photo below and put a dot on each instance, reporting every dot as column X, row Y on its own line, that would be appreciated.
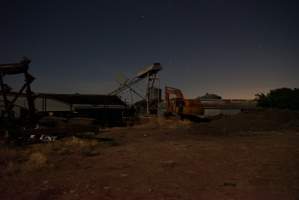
column 86, row 99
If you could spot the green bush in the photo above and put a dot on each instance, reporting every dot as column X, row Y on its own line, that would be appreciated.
column 283, row 98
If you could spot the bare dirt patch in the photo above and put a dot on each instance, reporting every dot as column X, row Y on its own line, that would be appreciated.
column 256, row 157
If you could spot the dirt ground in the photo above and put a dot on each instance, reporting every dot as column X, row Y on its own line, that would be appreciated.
column 248, row 156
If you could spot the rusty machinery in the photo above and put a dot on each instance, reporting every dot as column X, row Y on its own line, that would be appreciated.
column 177, row 104
column 150, row 74
column 9, row 104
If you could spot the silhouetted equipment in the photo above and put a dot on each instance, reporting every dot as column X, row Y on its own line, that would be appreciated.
column 20, row 68
column 209, row 96
column 107, row 110
column 177, row 104
column 85, row 99
column 149, row 74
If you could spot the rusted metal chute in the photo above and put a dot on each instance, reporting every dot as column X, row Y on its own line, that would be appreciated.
column 150, row 75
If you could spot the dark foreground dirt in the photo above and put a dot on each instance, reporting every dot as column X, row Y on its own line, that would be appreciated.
column 248, row 156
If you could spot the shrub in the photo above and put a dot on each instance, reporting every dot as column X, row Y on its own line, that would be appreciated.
column 282, row 98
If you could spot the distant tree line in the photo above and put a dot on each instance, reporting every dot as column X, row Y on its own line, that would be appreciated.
column 283, row 98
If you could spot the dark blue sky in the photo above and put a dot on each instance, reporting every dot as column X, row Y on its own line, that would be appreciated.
column 230, row 47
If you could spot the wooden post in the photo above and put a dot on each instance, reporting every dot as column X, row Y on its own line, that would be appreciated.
column 6, row 103
column 148, row 94
column 29, row 94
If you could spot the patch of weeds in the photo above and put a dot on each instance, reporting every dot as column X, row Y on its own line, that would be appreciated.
column 37, row 160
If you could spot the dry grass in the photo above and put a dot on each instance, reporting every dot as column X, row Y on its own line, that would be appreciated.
column 160, row 122
column 85, row 147
column 18, row 161
column 40, row 156
column 9, row 158
column 36, row 160
column 79, row 143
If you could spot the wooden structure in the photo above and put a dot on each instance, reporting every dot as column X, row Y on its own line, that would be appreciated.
column 20, row 68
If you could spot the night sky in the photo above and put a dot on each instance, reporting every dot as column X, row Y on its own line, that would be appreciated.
column 234, row 48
